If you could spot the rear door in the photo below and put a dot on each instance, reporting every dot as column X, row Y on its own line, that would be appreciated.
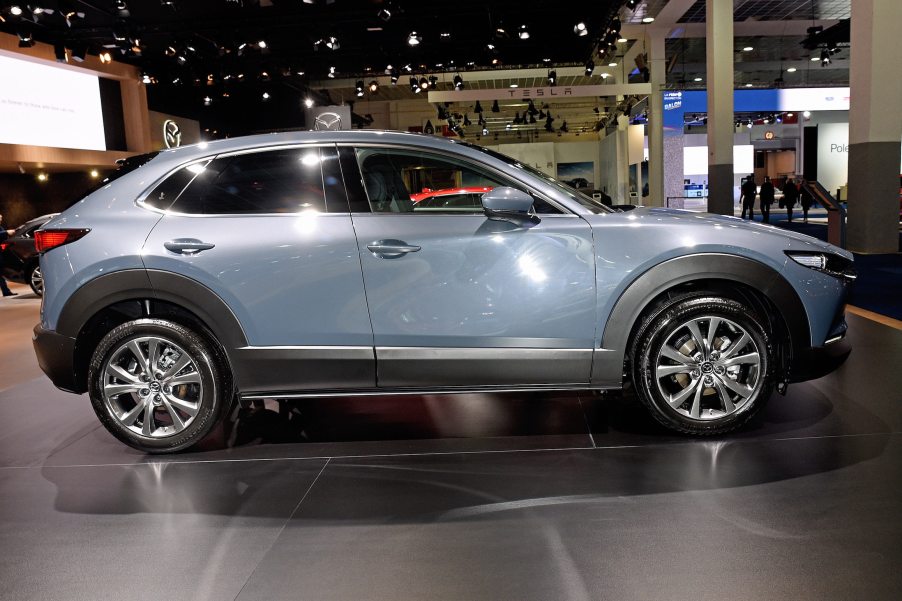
column 457, row 299
column 269, row 231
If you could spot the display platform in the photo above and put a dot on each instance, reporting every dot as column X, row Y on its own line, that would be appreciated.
column 488, row 496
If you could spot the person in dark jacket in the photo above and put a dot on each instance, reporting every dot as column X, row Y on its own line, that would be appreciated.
column 767, row 198
column 4, row 234
column 749, row 191
column 807, row 200
column 790, row 196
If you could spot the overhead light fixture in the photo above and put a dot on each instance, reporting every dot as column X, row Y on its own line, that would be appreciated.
column 580, row 29
column 25, row 38
column 359, row 87
column 374, row 86
column 647, row 20
column 308, row 102
column 207, row 101
column 514, row 85
column 495, row 107
column 384, row 14
column 15, row 10
column 261, row 44
column 414, row 84
column 747, row 48
column 331, row 73
column 106, row 57
column 622, row 40
column 552, row 78
column 590, row 67
column 748, row 85
column 697, row 79
column 604, row 75
column 42, row 177
column 94, row 173
column 414, row 39
column 394, row 78
column 332, row 43
column 146, row 79
column 432, row 81
column 458, row 82
column 523, row 32
column 60, row 52
column 791, row 70
column 266, row 96
column 806, row 114
column 612, row 64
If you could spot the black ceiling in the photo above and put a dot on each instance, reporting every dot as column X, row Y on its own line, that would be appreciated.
column 198, row 43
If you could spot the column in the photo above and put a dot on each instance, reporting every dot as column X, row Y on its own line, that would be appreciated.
column 657, row 64
column 875, row 127
column 719, row 50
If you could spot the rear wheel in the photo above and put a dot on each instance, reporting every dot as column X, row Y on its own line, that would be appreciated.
column 36, row 280
column 158, row 386
column 703, row 365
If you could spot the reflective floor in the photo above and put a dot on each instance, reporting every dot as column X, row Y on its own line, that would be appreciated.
column 541, row 496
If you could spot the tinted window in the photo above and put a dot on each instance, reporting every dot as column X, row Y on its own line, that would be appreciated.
column 276, row 181
column 169, row 189
column 407, row 181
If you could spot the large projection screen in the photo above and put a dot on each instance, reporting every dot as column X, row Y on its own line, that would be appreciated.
column 43, row 105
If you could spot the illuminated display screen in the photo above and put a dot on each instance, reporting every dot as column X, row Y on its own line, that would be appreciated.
column 695, row 159
column 43, row 105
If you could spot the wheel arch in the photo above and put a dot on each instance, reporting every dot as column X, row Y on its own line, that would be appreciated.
column 112, row 299
column 752, row 281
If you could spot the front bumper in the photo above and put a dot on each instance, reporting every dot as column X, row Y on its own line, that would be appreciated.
column 56, row 356
column 814, row 363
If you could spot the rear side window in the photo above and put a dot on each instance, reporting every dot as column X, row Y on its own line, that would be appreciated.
column 169, row 189
column 276, row 181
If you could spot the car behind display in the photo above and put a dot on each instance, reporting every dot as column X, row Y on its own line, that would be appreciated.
column 295, row 265
column 20, row 258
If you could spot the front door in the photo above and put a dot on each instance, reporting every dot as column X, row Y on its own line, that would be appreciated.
column 459, row 300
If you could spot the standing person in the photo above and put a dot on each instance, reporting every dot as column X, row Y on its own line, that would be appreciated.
column 749, row 190
column 4, row 234
column 767, row 198
column 790, row 196
column 806, row 198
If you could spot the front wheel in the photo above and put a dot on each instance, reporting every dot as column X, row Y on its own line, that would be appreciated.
column 158, row 386
column 703, row 365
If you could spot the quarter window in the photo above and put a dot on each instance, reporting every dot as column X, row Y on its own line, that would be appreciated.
column 408, row 181
column 277, row 181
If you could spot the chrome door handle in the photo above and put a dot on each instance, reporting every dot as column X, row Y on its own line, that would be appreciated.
column 391, row 249
column 187, row 246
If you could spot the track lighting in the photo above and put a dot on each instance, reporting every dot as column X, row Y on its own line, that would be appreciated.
column 477, row 108
column 25, row 39
column 495, row 107
column 552, row 78
column 432, row 81
column 414, row 39
column 60, row 52
column 458, row 82
column 414, row 84
column 359, row 88
column 523, row 32
column 580, row 29
column 590, row 67
column 374, row 86
column 424, row 83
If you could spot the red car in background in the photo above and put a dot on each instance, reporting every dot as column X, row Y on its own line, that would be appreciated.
column 460, row 199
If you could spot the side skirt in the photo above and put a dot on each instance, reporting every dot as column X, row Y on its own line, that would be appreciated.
column 251, row 396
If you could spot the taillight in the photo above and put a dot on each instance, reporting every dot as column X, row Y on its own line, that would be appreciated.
column 4, row 246
column 45, row 240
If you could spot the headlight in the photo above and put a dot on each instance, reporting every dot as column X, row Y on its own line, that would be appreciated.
column 831, row 264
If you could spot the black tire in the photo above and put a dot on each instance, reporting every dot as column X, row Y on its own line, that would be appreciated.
column 669, row 323
column 214, row 391
column 30, row 280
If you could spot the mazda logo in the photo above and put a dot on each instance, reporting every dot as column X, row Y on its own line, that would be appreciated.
column 172, row 134
column 327, row 122
column 155, row 386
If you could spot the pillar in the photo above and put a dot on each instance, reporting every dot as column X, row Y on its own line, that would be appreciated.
column 657, row 64
column 875, row 127
column 719, row 50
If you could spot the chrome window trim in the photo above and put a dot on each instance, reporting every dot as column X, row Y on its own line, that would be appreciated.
column 143, row 196
column 486, row 167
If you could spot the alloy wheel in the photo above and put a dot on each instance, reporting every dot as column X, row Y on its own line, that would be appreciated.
column 708, row 368
column 152, row 386
column 37, row 281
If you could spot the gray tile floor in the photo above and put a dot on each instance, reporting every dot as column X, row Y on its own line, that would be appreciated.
column 559, row 496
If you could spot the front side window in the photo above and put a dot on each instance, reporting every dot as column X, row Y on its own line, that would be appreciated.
column 275, row 181
column 410, row 181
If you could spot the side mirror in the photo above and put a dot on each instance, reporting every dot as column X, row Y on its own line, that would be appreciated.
column 508, row 204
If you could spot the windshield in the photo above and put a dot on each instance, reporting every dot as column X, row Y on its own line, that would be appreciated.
column 588, row 202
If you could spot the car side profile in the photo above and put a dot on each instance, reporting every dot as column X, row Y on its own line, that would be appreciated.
column 295, row 265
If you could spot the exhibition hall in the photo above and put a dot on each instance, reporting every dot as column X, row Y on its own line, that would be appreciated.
column 407, row 299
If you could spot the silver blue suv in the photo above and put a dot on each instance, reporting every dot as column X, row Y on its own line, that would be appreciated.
column 294, row 265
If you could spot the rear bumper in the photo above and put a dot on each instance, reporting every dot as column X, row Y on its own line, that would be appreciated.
column 56, row 356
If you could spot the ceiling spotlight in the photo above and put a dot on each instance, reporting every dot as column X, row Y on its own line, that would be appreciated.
column 261, row 44
column 106, row 57
column 697, row 79
column 146, row 79
column 806, row 114
column 580, row 29
column 359, row 87
column 384, row 14
column 60, row 52
column 552, row 78
column 444, row 36
column 332, row 43
column 612, row 64
column 414, row 39
column 15, row 10
column 432, row 81
column 590, row 67
column 207, row 101
column 622, row 40
column 791, row 70
column 374, row 86
column 79, row 52
column 308, row 102
column 331, row 73
column 42, row 177
column 424, row 83
column 514, row 85
column 458, row 82
column 25, row 39
column 495, row 107
column 394, row 78
column 414, row 84
column 266, row 96
column 523, row 32
column 647, row 20
column 94, row 173
column 485, row 131
column 748, row 85
column 747, row 48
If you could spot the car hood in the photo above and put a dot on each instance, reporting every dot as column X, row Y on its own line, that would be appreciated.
column 678, row 218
